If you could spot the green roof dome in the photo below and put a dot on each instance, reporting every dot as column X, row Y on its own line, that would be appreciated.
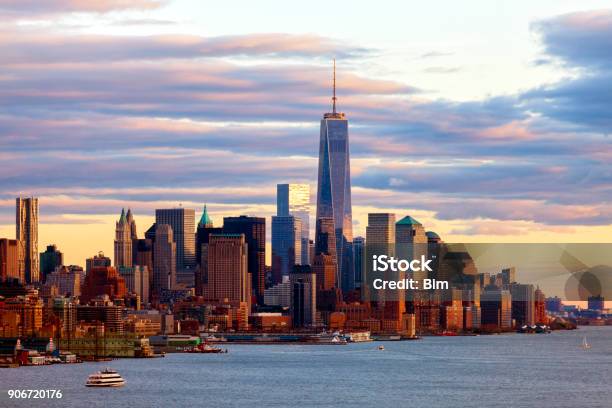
column 407, row 220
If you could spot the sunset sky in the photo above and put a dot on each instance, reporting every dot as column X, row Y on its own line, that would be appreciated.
column 486, row 121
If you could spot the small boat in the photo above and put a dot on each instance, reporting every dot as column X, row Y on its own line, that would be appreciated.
column 105, row 378
column 207, row 348
column 381, row 347
column 585, row 345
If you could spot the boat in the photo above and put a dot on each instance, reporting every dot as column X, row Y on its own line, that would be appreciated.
column 585, row 345
column 381, row 347
column 207, row 348
column 105, row 378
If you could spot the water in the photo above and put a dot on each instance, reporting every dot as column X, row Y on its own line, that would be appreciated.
column 485, row 371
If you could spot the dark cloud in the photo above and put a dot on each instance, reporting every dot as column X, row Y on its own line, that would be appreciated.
column 582, row 41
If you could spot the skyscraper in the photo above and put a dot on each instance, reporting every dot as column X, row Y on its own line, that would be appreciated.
column 205, row 228
column 254, row 230
column 303, row 283
column 123, row 241
column 164, row 262
column 294, row 199
column 49, row 260
column 9, row 260
column 334, row 186
column 286, row 245
column 411, row 242
column 228, row 277
column 380, row 240
column 359, row 259
column 27, row 233
column 182, row 222
column 324, row 263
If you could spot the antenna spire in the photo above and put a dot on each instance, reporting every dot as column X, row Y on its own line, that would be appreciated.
column 334, row 97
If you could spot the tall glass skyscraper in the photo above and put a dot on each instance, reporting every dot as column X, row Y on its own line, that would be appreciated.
column 334, row 187
column 294, row 199
column 182, row 222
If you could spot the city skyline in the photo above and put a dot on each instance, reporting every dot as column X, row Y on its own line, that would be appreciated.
column 496, row 163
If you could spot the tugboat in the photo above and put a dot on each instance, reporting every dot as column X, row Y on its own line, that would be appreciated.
column 105, row 378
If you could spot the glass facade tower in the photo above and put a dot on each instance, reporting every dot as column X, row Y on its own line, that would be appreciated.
column 334, row 188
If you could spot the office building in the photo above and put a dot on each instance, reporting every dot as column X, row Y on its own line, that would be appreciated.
column 254, row 231
column 9, row 261
column 286, row 245
column 294, row 199
column 102, row 280
column 228, row 277
column 495, row 309
column 596, row 303
column 137, row 281
column 523, row 304
column 411, row 243
column 164, row 260
column 359, row 246
column 334, row 187
column 123, row 242
column 508, row 276
column 49, row 261
column 97, row 261
column 182, row 222
column 67, row 280
column 27, row 234
column 205, row 228
column 303, row 283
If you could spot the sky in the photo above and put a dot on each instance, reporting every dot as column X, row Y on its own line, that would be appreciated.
column 486, row 121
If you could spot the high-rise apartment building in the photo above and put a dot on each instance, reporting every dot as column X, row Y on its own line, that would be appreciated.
column 286, row 245
column 27, row 234
column 254, row 230
column 228, row 277
column 123, row 241
column 164, row 262
column 334, row 187
column 182, row 222
column 294, row 199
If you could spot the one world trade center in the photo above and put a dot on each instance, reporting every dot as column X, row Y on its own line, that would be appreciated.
column 334, row 190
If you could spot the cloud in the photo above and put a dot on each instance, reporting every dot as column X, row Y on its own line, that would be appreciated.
column 33, row 7
column 27, row 47
column 93, row 123
column 582, row 41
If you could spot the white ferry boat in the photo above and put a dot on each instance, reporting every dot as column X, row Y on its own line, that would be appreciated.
column 105, row 378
